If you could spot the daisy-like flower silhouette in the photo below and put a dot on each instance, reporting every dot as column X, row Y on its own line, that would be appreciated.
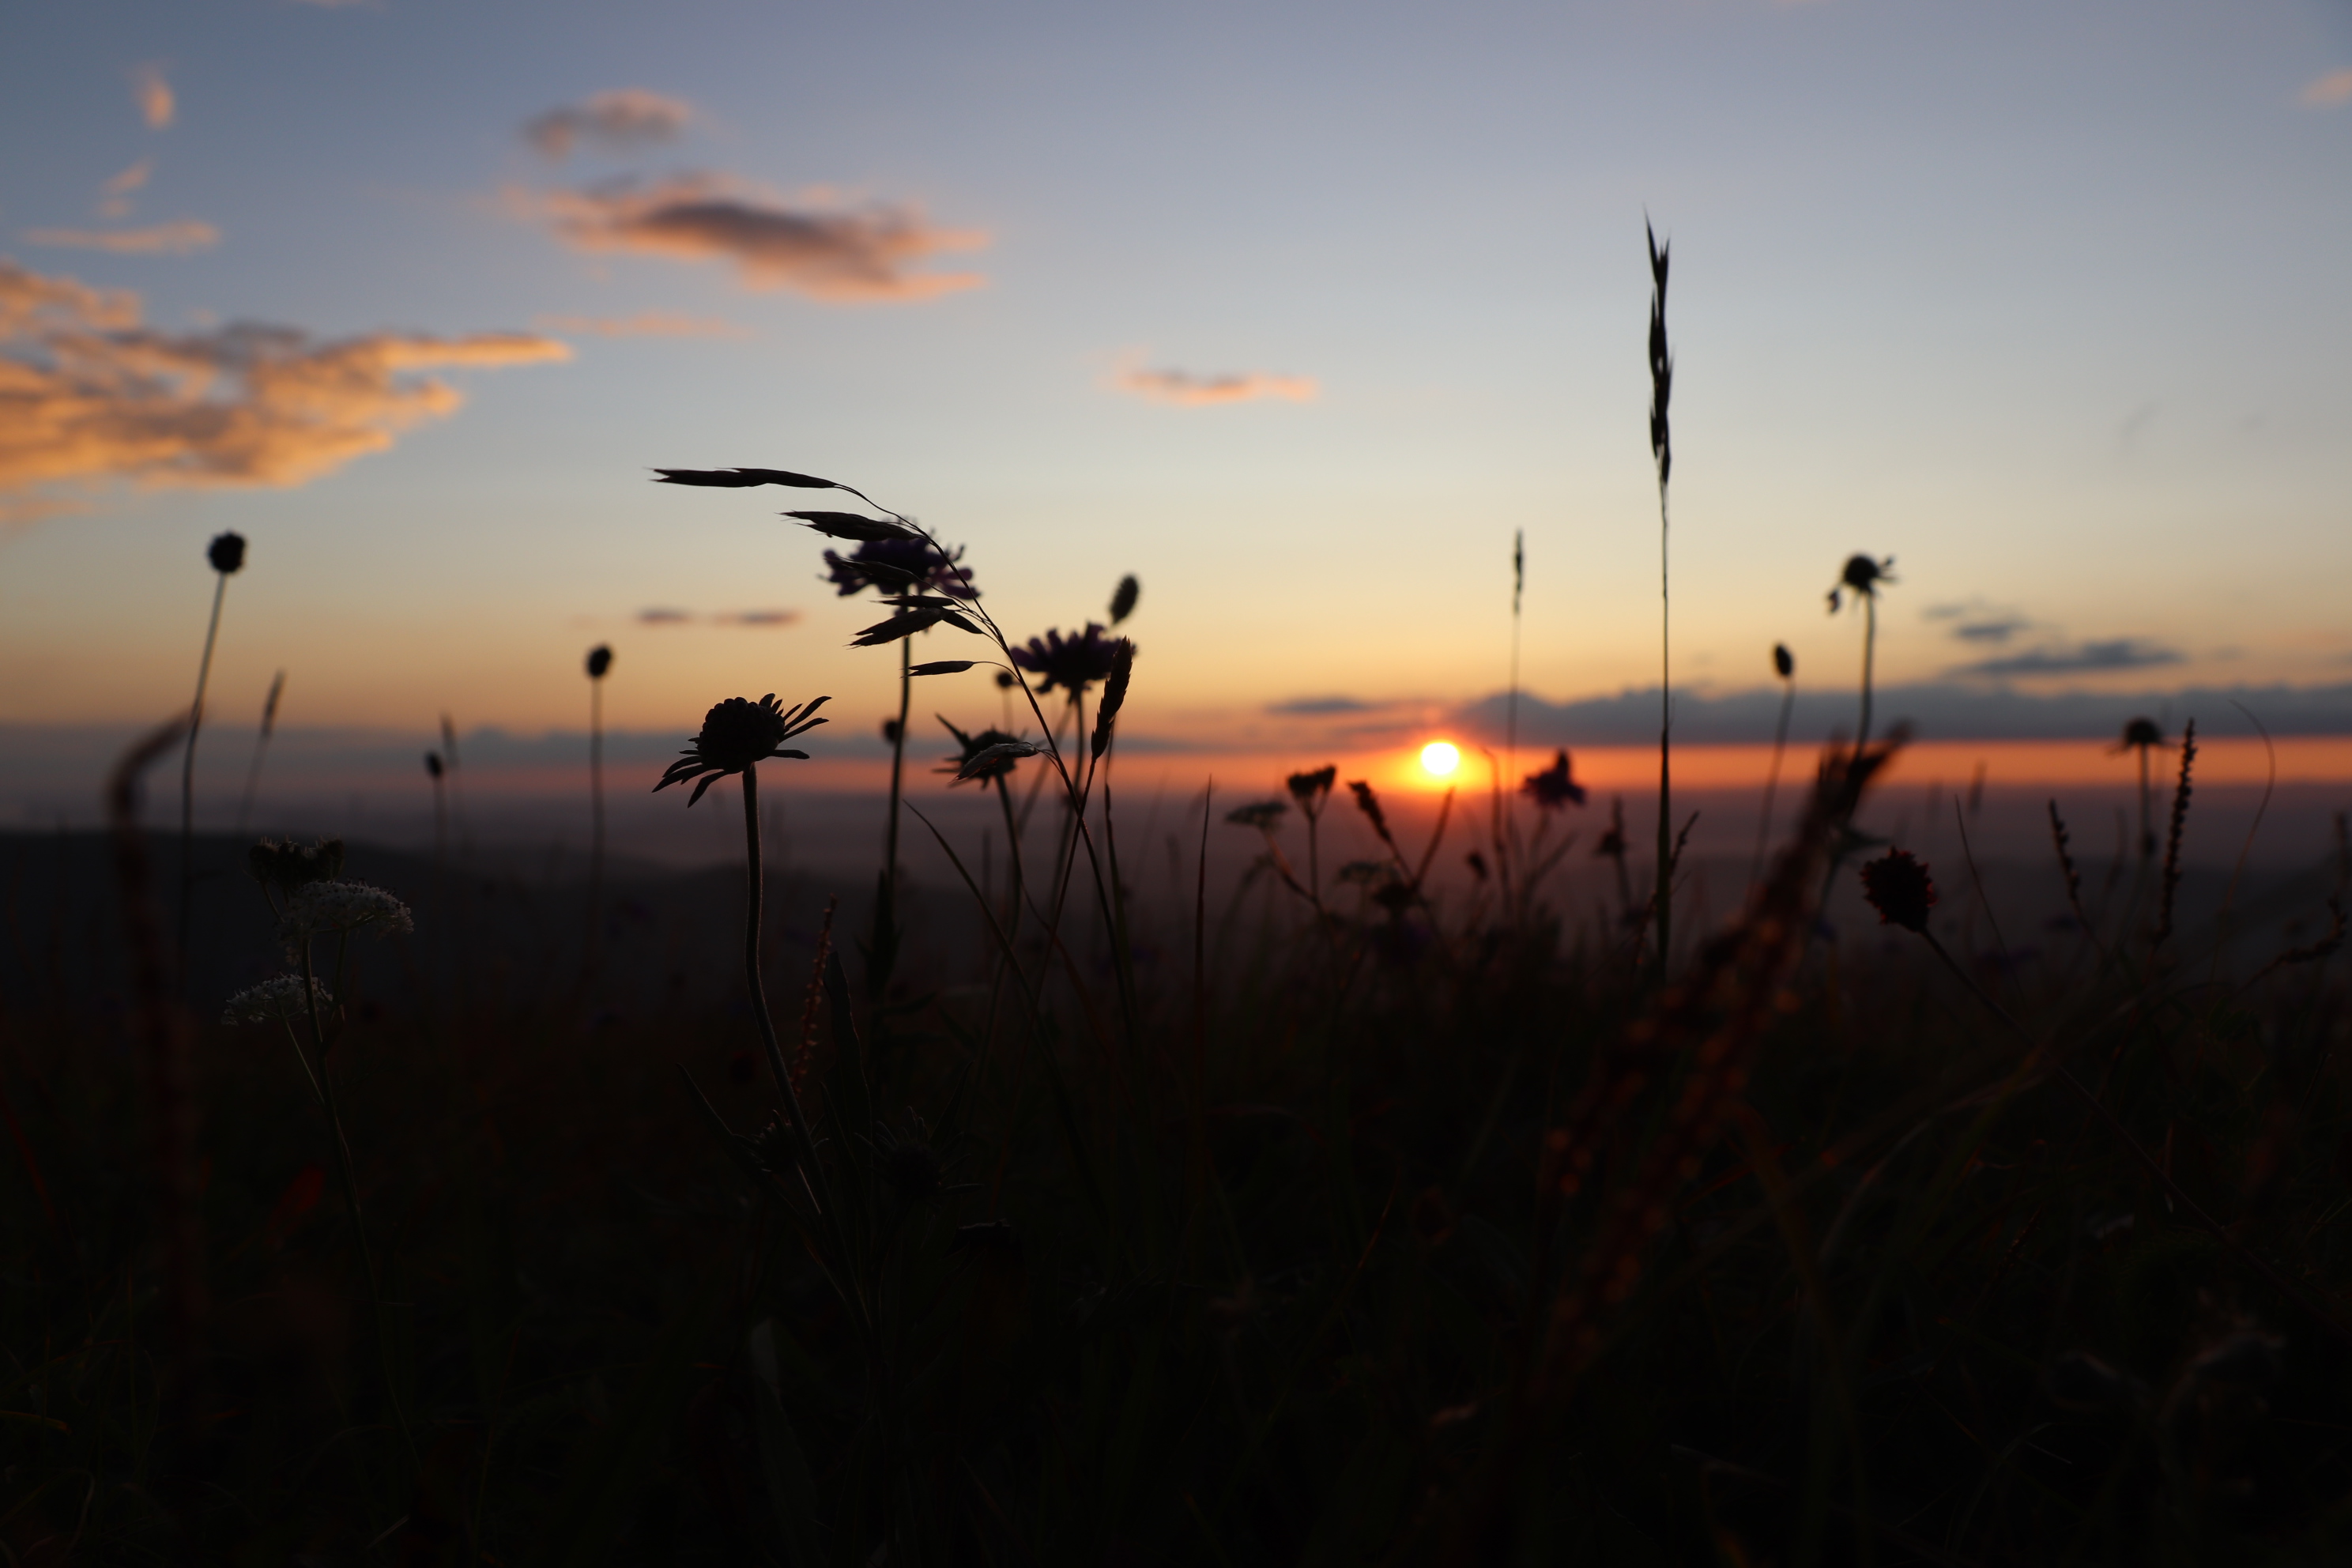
column 274, row 999
column 980, row 762
column 900, row 566
column 1074, row 663
column 736, row 734
column 1899, row 889
column 1553, row 789
column 1862, row 577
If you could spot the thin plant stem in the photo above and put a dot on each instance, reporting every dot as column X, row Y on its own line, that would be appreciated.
column 188, row 775
column 886, row 909
column 1772, row 782
column 322, row 1083
column 595, row 817
column 1869, row 657
column 260, row 749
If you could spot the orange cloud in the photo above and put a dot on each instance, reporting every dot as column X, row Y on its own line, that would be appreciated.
column 851, row 255
column 88, row 396
column 620, row 120
column 131, row 179
column 154, row 95
column 1189, row 391
column 2329, row 90
column 160, row 239
column 645, row 324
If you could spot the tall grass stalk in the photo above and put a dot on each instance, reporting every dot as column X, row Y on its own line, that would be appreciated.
column 1662, row 382
column 260, row 749
column 1784, row 665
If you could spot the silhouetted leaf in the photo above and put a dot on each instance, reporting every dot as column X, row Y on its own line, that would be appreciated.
column 897, row 626
column 852, row 525
column 982, row 761
column 740, row 479
column 943, row 666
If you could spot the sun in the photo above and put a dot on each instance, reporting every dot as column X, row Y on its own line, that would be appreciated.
column 1441, row 757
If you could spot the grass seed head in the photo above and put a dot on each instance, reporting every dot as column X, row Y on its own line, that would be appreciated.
column 1784, row 663
column 600, row 661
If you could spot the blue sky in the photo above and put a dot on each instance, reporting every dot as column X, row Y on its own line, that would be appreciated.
column 2045, row 300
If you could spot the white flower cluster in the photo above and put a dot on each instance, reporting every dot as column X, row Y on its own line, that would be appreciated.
column 277, row 998
column 330, row 909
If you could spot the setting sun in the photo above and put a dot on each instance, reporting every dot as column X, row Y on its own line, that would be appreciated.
column 1441, row 757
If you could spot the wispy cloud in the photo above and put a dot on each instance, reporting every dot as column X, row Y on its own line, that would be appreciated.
column 182, row 238
column 153, row 96
column 131, row 179
column 1190, row 391
column 1974, row 621
column 645, row 324
column 842, row 255
column 667, row 616
column 621, row 121
column 93, row 397
column 1323, row 707
column 2078, row 658
column 2329, row 90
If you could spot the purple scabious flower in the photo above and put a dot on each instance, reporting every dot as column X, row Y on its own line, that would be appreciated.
column 1553, row 788
column 1073, row 663
column 899, row 566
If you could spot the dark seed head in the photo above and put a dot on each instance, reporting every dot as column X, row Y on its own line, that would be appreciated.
column 1311, row 789
column 1553, row 789
column 432, row 767
column 1784, row 663
column 1898, row 887
column 2141, row 732
column 1122, row 603
column 226, row 553
column 600, row 660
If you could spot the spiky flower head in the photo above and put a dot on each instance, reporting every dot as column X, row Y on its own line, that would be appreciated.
column 1554, row 788
column 978, row 754
column 337, row 908
column 600, row 661
column 2140, row 732
column 283, row 868
column 226, row 553
column 900, row 566
column 1266, row 815
column 274, row 999
column 1784, row 663
column 1898, row 887
column 1864, row 577
column 1073, row 663
column 736, row 734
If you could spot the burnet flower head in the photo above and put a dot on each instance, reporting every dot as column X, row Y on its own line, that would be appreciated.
column 274, row 999
column 736, row 734
column 337, row 908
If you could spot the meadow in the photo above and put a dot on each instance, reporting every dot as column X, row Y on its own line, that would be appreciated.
column 1447, row 1187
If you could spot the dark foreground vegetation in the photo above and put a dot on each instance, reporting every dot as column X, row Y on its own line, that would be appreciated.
column 1363, row 1217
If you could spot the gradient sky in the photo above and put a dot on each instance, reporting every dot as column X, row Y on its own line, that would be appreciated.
column 1296, row 310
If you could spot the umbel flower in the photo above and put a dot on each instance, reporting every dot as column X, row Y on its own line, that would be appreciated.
column 736, row 734
column 1553, row 789
column 1073, row 663
column 337, row 908
column 899, row 566
column 1898, row 887
column 979, row 761
column 274, row 999
column 1311, row 789
column 1266, row 815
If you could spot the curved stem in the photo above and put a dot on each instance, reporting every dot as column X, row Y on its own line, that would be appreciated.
column 1773, row 784
column 188, row 773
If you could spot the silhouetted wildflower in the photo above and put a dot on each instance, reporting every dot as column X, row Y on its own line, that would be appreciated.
column 1863, row 577
column 1311, row 790
column 1073, row 663
column 1553, row 789
column 600, row 660
column 1004, row 680
column 736, row 734
column 276, row 999
column 1784, row 663
column 1266, row 815
column 999, row 765
column 2140, row 732
column 1898, row 887
column 285, row 867
column 226, row 553
column 899, row 566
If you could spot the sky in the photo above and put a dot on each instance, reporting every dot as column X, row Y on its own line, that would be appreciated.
column 1298, row 311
